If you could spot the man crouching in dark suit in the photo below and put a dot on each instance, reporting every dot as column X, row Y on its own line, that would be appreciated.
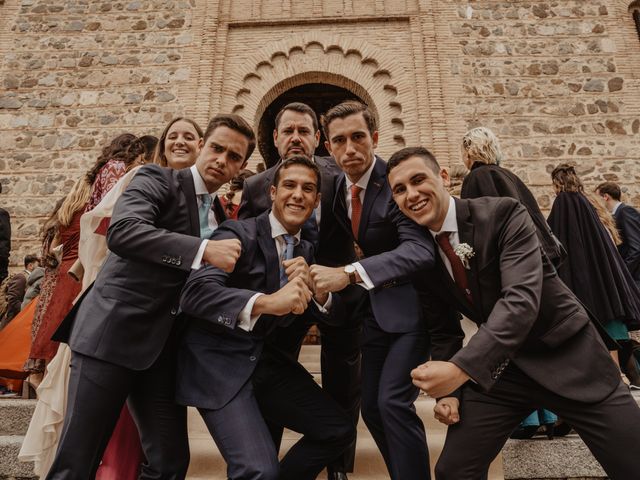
column 123, row 331
column 535, row 346
column 225, row 367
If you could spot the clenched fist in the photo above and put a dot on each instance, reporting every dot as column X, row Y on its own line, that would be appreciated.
column 222, row 253
column 292, row 298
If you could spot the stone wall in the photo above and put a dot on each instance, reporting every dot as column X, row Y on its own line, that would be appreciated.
column 557, row 80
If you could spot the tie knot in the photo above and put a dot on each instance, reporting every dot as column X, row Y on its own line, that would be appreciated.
column 443, row 240
column 206, row 199
column 289, row 239
column 355, row 191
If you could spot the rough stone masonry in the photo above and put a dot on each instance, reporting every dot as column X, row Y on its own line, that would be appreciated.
column 557, row 80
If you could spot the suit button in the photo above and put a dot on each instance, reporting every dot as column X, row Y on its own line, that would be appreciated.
column 173, row 311
column 179, row 262
column 164, row 258
column 252, row 358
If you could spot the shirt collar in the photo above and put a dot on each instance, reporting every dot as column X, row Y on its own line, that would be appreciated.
column 364, row 179
column 450, row 221
column 198, row 182
column 615, row 208
column 277, row 229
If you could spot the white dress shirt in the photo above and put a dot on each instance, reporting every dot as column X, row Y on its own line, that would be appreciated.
column 366, row 282
column 615, row 208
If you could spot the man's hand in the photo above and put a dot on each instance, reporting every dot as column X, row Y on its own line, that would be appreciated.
column 438, row 379
column 447, row 410
column 222, row 253
column 297, row 268
column 292, row 298
column 328, row 279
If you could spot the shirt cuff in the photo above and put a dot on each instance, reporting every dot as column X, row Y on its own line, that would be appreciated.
column 327, row 305
column 246, row 321
column 366, row 282
column 197, row 262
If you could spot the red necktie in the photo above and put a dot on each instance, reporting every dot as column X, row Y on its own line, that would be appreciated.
column 356, row 209
column 457, row 268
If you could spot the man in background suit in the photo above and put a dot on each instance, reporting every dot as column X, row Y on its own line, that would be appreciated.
column 535, row 346
column 628, row 223
column 226, row 370
column 5, row 242
column 122, row 333
column 384, row 250
column 297, row 133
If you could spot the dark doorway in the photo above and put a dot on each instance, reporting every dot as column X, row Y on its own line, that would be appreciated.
column 319, row 96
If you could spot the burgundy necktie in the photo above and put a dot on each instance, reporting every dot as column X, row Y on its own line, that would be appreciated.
column 356, row 209
column 457, row 268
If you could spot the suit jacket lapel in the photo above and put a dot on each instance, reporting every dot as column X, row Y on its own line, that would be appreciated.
column 376, row 181
column 340, row 205
column 221, row 216
column 465, row 234
column 185, row 180
column 268, row 246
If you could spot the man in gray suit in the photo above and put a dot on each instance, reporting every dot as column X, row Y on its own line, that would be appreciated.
column 123, row 331
column 535, row 346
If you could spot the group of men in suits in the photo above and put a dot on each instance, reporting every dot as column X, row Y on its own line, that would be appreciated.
column 187, row 311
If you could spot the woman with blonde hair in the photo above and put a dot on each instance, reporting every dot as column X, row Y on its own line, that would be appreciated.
column 594, row 270
column 482, row 155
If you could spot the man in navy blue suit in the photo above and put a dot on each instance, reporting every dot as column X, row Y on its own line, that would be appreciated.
column 229, row 368
column 385, row 250
column 628, row 223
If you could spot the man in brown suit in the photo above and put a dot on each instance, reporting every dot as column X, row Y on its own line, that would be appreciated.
column 535, row 346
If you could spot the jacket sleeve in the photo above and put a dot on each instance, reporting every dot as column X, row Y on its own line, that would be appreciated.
column 515, row 312
column 414, row 252
column 206, row 295
column 631, row 226
column 133, row 232
column 5, row 234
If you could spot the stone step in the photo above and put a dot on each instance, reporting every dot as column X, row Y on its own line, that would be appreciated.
column 15, row 414
column 207, row 463
column 565, row 458
column 10, row 467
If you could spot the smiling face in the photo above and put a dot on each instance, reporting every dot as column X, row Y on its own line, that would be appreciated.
column 295, row 135
column 222, row 156
column 182, row 145
column 295, row 197
column 420, row 192
column 351, row 145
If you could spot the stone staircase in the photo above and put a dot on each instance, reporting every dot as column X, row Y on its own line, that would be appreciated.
column 561, row 459
column 207, row 464
column 14, row 419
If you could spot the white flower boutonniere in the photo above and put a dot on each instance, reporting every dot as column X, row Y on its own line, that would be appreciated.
column 464, row 251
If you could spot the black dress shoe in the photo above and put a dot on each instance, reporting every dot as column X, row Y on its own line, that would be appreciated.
column 337, row 476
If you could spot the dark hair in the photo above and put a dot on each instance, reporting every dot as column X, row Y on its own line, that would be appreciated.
column 234, row 122
column 144, row 146
column 235, row 185
column 116, row 150
column 158, row 154
column 30, row 259
column 610, row 188
column 300, row 108
column 346, row 109
column 298, row 160
column 408, row 152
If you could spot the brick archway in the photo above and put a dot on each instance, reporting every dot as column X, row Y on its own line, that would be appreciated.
column 353, row 65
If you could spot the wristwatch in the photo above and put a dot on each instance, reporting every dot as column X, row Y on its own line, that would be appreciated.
column 350, row 270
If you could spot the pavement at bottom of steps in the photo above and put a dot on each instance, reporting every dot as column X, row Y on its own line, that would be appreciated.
column 207, row 463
